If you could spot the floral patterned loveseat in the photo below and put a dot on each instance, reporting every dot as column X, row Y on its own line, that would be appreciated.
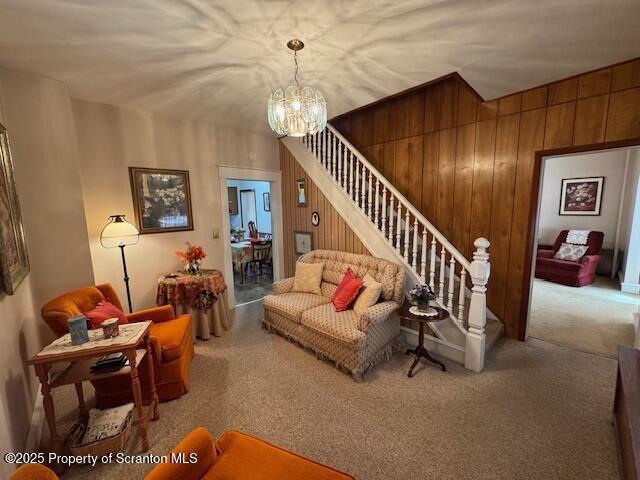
column 354, row 342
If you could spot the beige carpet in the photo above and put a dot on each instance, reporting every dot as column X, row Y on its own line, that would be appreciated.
column 538, row 411
column 594, row 318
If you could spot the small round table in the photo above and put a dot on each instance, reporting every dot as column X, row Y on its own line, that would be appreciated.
column 420, row 351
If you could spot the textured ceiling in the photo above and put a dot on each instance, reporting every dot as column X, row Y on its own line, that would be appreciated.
column 216, row 61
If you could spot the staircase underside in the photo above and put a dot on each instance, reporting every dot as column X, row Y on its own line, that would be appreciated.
column 449, row 339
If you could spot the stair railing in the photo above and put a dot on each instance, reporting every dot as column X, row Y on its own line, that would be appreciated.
column 425, row 252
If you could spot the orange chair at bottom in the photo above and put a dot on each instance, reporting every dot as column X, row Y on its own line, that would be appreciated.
column 240, row 456
column 33, row 471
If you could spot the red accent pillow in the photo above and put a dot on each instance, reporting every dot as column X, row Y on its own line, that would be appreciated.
column 104, row 311
column 347, row 291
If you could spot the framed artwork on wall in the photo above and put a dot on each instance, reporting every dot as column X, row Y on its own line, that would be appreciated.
column 266, row 201
column 161, row 199
column 302, row 192
column 581, row 196
column 233, row 200
column 14, row 261
column 303, row 242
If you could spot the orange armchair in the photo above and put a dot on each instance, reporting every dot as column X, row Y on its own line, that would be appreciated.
column 33, row 471
column 171, row 344
column 239, row 456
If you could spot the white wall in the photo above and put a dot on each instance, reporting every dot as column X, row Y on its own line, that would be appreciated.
column 263, row 218
column 602, row 164
column 111, row 140
column 630, row 225
column 37, row 115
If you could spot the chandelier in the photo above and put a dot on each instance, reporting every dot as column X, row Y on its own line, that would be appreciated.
column 297, row 111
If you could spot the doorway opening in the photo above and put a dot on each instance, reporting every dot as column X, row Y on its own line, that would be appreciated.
column 251, row 243
column 251, row 231
column 585, row 290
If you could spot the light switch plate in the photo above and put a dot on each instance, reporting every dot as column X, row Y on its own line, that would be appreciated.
column 216, row 233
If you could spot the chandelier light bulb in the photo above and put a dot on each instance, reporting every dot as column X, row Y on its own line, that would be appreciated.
column 296, row 111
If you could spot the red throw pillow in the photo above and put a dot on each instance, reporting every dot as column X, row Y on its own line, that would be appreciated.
column 104, row 311
column 346, row 292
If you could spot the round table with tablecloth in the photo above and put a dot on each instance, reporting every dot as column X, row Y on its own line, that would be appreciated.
column 204, row 295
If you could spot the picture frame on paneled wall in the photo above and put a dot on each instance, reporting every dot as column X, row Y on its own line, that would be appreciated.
column 14, row 260
column 581, row 196
column 303, row 242
column 301, row 184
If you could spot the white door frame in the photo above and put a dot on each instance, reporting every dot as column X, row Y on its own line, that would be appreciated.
column 274, row 177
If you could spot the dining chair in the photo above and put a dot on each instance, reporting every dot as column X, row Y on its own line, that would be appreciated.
column 261, row 257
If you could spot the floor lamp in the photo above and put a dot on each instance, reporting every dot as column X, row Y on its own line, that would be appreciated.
column 120, row 233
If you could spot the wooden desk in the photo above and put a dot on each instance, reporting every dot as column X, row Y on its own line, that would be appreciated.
column 626, row 412
column 133, row 342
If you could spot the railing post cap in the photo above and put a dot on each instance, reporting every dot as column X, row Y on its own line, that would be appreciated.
column 481, row 242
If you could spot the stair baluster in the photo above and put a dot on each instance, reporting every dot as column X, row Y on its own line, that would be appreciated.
column 339, row 159
column 370, row 198
column 398, row 228
column 432, row 264
column 390, row 232
column 376, row 212
column 461, row 295
column 383, row 227
column 324, row 148
column 357, row 181
column 443, row 253
column 414, row 253
column 407, row 225
column 363, row 190
column 452, row 284
column 423, row 258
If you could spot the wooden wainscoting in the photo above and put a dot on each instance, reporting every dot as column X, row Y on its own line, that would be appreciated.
column 470, row 166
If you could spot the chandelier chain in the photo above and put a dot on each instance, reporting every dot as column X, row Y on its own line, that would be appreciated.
column 295, row 60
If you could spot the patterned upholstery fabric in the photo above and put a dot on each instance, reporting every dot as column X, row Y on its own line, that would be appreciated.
column 342, row 326
column 376, row 314
column 354, row 342
column 568, row 251
column 292, row 304
column 283, row 286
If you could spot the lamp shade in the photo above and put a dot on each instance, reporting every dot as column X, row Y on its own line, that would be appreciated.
column 118, row 232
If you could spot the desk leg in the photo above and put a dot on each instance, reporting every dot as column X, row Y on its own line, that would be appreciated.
column 42, row 371
column 137, row 398
column 81, row 405
column 152, row 380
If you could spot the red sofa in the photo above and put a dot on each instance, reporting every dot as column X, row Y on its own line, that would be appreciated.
column 574, row 274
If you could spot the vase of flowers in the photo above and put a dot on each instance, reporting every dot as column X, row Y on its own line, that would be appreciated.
column 193, row 256
column 421, row 295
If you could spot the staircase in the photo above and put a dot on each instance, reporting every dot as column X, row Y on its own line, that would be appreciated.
column 392, row 228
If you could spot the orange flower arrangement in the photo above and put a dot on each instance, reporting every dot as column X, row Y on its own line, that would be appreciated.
column 193, row 253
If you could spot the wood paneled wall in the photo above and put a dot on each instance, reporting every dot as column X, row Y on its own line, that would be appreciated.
column 332, row 233
column 471, row 165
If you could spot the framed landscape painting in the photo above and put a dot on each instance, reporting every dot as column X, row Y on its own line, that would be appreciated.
column 14, row 262
column 581, row 196
column 161, row 199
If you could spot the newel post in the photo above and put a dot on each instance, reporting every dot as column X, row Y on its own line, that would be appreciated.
column 476, row 337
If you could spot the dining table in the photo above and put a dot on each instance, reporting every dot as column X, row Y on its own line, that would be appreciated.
column 242, row 253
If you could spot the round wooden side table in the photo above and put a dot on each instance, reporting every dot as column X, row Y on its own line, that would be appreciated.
column 420, row 351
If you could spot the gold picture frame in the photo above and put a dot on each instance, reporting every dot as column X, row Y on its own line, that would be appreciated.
column 14, row 260
column 161, row 199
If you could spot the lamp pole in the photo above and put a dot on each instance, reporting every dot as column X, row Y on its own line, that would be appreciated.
column 120, row 233
column 126, row 276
